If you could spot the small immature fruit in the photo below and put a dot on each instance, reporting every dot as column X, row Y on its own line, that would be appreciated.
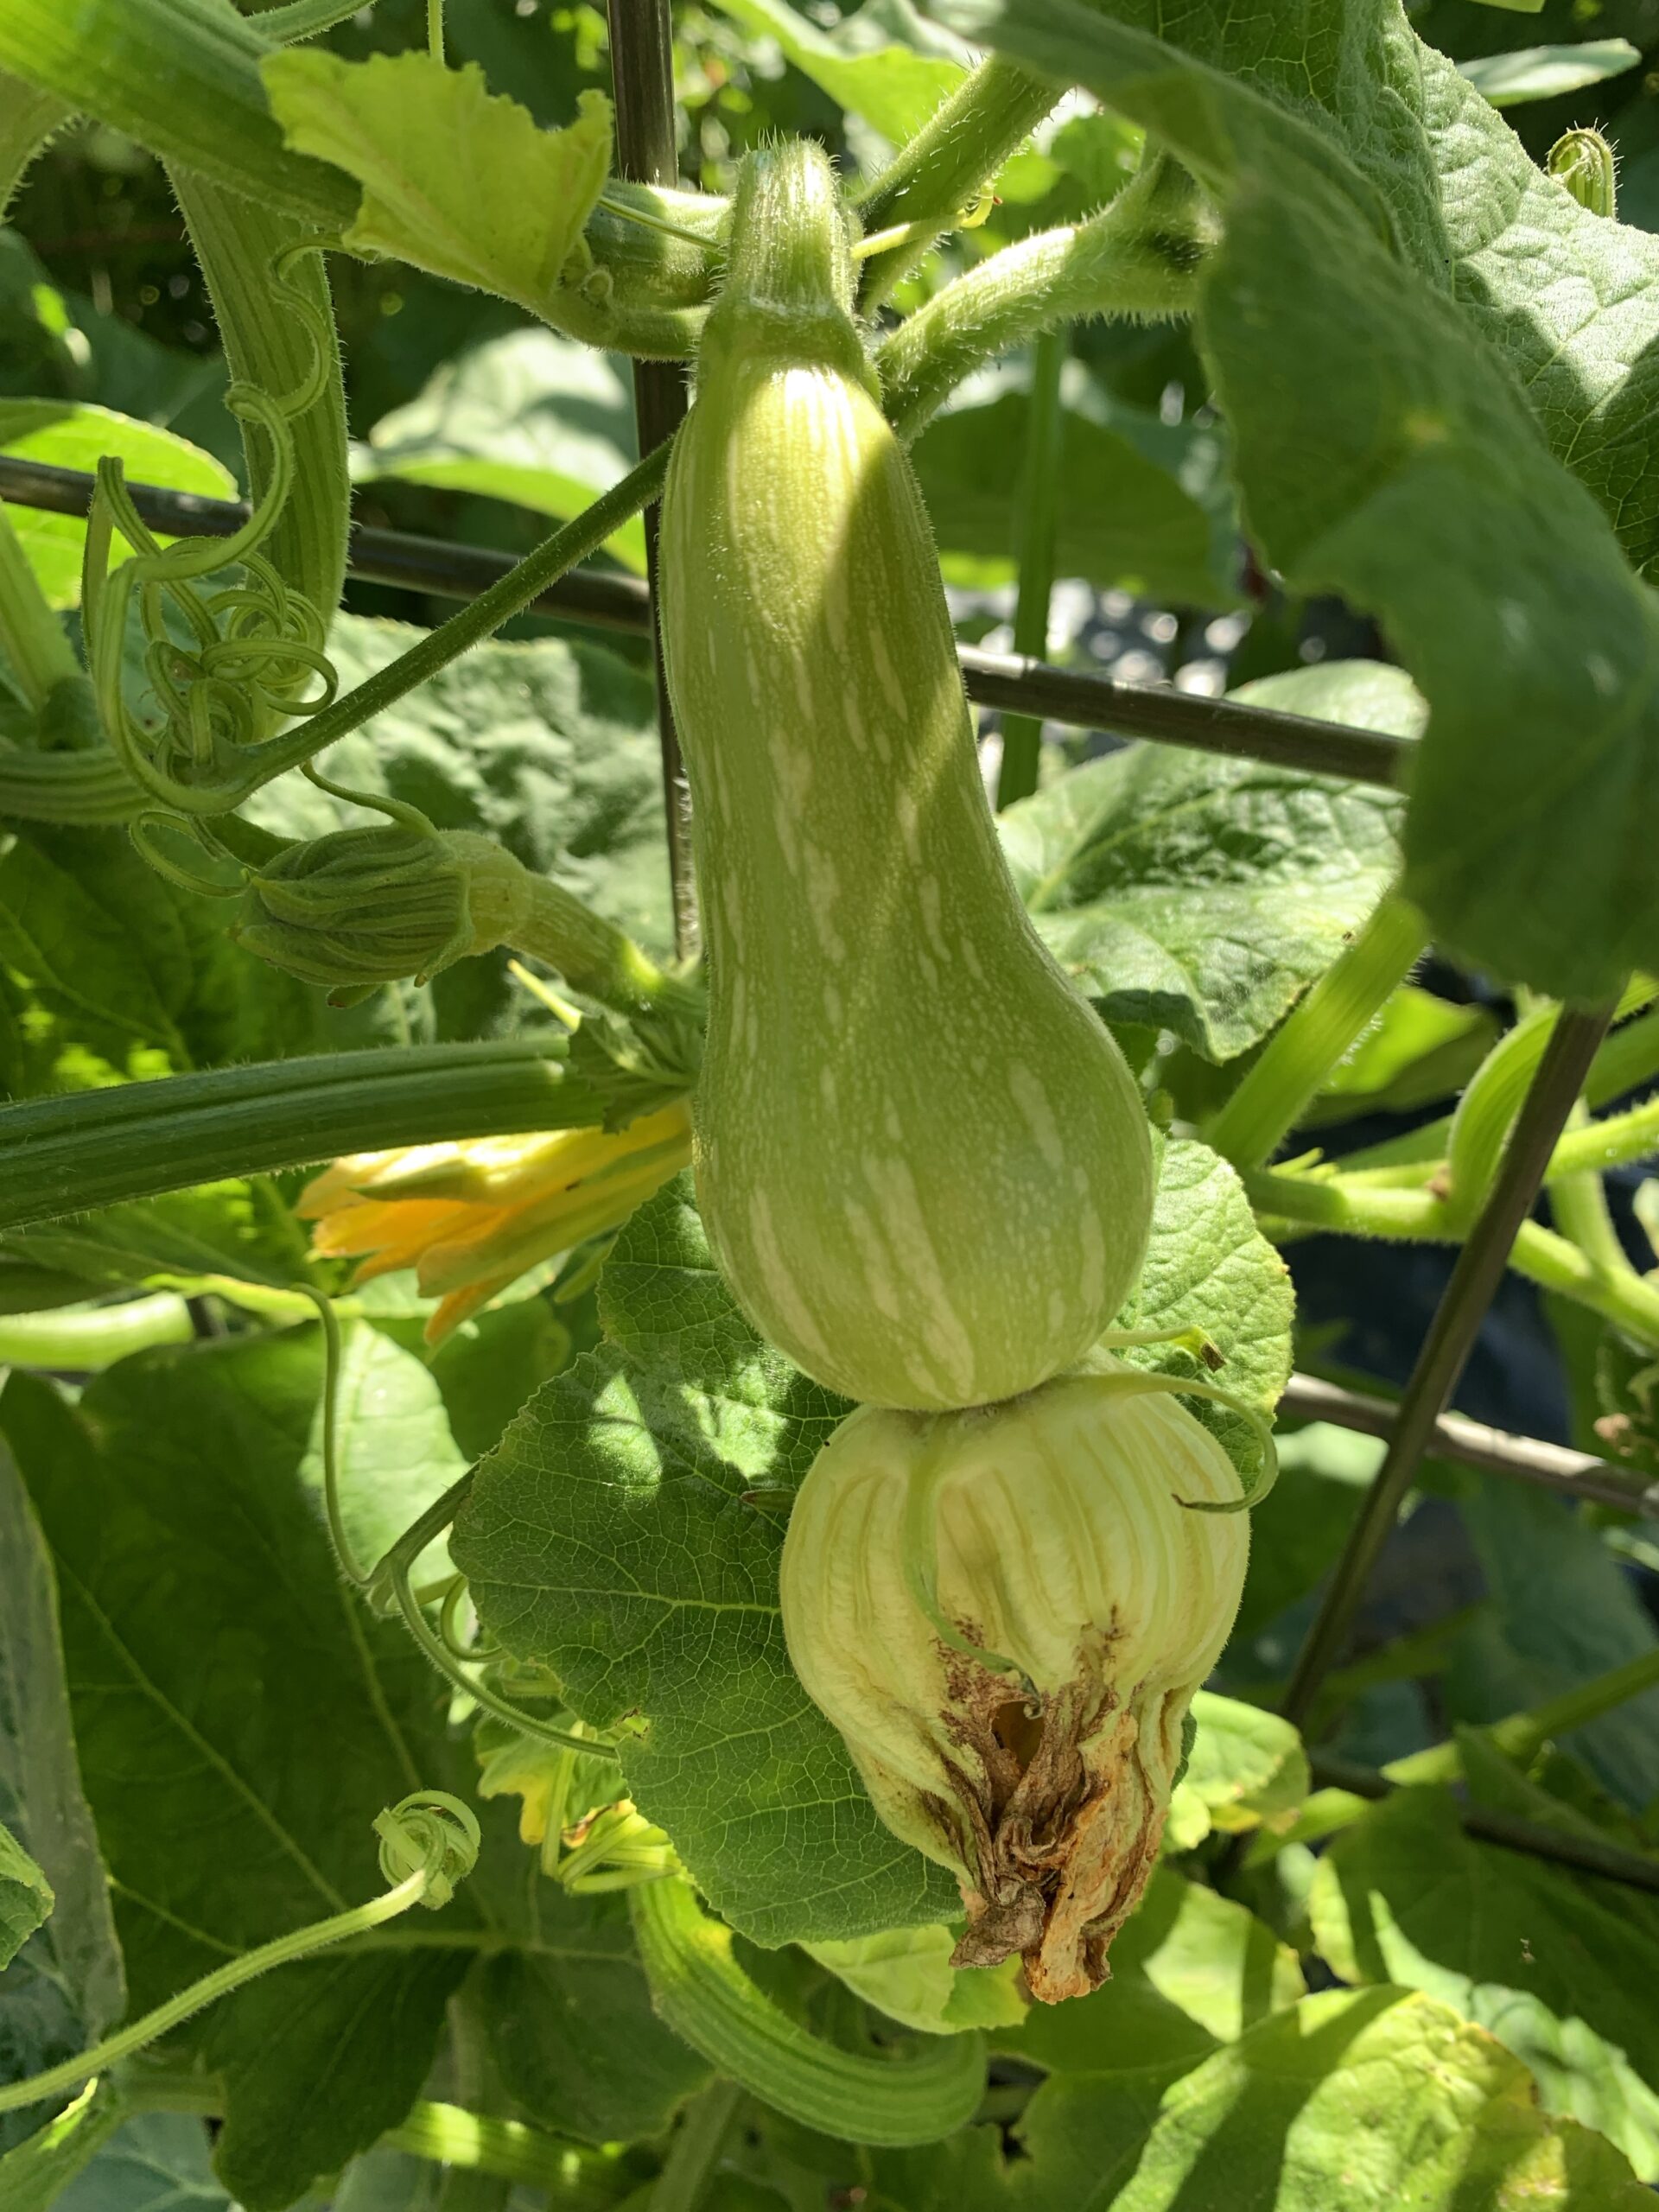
column 923, row 1162
column 1006, row 1613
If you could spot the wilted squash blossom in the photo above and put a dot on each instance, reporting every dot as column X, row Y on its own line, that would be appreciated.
column 471, row 1217
column 1037, row 1765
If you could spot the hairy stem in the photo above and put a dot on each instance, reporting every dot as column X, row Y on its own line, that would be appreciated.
column 1333, row 1203
column 301, row 1943
column 958, row 150
column 1521, row 1736
column 1140, row 255
column 1313, row 1041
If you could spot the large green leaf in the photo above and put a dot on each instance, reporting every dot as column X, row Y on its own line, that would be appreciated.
column 1370, row 2100
column 64, row 1985
column 109, row 970
column 1203, row 895
column 1518, row 1653
column 1560, row 1967
column 531, row 417
column 1385, row 451
column 76, row 435
column 241, row 1720
column 627, row 1532
column 1144, row 504
column 457, row 179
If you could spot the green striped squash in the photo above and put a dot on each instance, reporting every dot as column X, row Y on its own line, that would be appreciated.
column 922, row 1160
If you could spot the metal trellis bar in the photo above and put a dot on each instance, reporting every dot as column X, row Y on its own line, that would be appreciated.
column 617, row 602
column 1587, row 1854
column 1527, row 1458
column 642, row 79
column 1450, row 1338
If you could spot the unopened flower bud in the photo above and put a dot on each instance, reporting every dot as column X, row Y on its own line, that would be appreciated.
column 1585, row 162
column 361, row 908
column 1006, row 1613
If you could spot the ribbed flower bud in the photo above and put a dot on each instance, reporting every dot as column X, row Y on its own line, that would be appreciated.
column 1586, row 163
column 361, row 908
column 1006, row 1613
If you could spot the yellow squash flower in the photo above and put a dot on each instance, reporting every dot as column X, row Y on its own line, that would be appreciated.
column 470, row 1217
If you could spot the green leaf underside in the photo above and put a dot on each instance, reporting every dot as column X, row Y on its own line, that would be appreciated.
column 1559, row 1966
column 62, row 1983
column 627, row 1532
column 457, row 179
column 1407, row 471
column 1203, row 895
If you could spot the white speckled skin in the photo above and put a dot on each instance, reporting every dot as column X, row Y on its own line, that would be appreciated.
column 922, row 1160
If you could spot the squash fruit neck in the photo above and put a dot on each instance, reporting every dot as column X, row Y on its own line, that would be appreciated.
column 788, row 294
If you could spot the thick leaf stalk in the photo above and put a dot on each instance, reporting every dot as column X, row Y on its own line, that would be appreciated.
column 702, row 1993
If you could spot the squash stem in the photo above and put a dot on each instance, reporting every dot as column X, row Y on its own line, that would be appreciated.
column 1140, row 255
column 1313, row 1041
column 956, row 152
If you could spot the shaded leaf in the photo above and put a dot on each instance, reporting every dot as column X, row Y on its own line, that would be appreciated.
column 1518, row 1654
column 64, row 1986
column 531, row 417
column 1384, row 452
column 1203, row 895
column 156, row 2162
column 1144, row 505
column 241, row 1720
column 1557, row 1964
